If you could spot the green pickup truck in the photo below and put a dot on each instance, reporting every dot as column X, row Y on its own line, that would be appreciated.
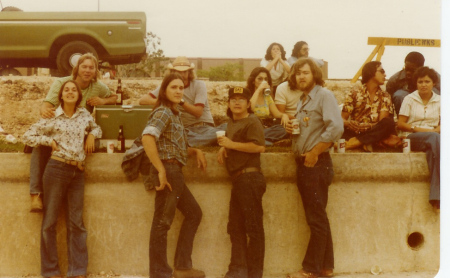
column 55, row 40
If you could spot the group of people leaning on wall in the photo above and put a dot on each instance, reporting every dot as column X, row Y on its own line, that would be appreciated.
column 181, row 121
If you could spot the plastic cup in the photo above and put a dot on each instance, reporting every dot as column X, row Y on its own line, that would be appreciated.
column 11, row 139
column 220, row 133
column 110, row 145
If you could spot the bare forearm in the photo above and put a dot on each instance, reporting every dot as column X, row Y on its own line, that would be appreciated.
column 147, row 100
column 110, row 100
column 248, row 147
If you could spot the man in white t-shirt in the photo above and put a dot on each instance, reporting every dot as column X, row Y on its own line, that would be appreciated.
column 196, row 114
column 288, row 94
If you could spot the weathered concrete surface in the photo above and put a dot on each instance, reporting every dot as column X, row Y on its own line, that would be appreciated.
column 375, row 202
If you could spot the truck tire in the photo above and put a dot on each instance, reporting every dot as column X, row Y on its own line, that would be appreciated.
column 69, row 54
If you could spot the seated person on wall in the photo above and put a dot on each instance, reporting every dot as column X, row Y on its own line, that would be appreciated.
column 264, row 107
column 419, row 121
column 401, row 83
column 288, row 93
column 85, row 74
column 194, row 107
column 301, row 50
column 275, row 62
column 370, row 111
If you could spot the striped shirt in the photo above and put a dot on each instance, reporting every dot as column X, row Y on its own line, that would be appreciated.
column 168, row 130
column 95, row 89
column 420, row 115
column 67, row 132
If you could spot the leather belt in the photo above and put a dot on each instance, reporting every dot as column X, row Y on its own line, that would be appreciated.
column 245, row 170
column 172, row 161
column 201, row 124
column 79, row 164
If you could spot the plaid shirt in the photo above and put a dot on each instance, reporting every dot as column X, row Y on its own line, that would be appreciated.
column 167, row 128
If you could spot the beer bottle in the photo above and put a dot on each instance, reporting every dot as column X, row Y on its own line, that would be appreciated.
column 121, row 140
column 119, row 93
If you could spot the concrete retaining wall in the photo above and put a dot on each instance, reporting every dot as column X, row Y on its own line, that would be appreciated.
column 376, row 202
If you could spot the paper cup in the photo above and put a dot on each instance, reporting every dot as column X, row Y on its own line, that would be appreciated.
column 220, row 133
column 341, row 146
column 11, row 139
column 406, row 145
column 110, row 145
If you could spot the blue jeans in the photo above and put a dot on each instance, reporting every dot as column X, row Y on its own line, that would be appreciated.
column 63, row 185
column 274, row 133
column 39, row 158
column 382, row 130
column 430, row 143
column 166, row 202
column 246, row 220
column 312, row 183
column 397, row 99
column 198, row 136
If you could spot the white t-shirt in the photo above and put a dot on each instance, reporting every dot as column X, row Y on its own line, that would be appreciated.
column 287, row 97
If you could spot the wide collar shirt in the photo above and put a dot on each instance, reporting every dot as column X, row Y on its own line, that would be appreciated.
column 67, row 132
column 320, row 120
column 168, row 130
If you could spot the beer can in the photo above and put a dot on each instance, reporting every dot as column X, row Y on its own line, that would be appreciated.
column 110, row 145
column 295, row 126
column 341, row 146
column 406, row 145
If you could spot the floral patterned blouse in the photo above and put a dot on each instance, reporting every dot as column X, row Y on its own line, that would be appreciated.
column 68, row 133
column 361, row 109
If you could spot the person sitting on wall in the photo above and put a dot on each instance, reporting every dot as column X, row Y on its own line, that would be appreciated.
column 275, row 62
column 264, row 107
column 367, row 112
column 401, row 84
column 301, row 50
column 420, row 121
column 94, row 92
column 196, row 114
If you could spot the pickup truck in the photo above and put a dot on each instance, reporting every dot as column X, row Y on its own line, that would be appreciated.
column 56, row 40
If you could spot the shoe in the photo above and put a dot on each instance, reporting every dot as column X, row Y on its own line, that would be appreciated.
column 302, row 274
column 36, row 203
column 283, row 143
column 393, row 141
column 352, row 143
column 326, row 273
column 368, row 148
column 188, row 273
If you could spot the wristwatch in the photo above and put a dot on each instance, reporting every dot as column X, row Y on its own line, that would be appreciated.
column 182, row 102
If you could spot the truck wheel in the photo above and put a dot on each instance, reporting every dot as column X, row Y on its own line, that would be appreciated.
column 69, row 54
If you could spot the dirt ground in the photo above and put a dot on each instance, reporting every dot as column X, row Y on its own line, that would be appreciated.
column 21, row 97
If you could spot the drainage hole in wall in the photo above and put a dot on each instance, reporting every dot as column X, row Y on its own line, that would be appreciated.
column 415, row 240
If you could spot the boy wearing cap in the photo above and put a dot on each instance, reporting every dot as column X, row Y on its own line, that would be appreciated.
column 241, row 148
column 196, row 113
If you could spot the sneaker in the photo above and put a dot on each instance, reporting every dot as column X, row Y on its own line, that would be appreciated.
column 36, row 203
column 188, row 273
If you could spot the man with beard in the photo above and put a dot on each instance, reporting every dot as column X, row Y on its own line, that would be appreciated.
column 320, row 126
column 301, row 50
column 94, row 92
column 401, row 84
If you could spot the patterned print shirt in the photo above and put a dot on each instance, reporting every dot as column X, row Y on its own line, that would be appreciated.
column 68, row 133
column 168, row 130
column 361, row 109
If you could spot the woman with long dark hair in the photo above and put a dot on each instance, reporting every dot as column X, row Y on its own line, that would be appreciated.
column 165, row 144
column 275, row 61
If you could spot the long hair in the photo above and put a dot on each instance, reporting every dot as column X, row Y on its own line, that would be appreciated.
column 268, row 55
column 192, row 76
column 369, row 70
column 316, row 72
column 252, row 77
column 80, row 95
column 297, row 48
column 87, row 56
column 162, row 97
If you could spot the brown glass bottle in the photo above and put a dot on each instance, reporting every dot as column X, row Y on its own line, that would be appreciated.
column 121, row 141
column 119, row 93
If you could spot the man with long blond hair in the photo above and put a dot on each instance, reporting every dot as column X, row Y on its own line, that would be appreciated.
column 85, row 74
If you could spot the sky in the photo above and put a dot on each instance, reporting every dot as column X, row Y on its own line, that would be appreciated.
column 336, row 30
